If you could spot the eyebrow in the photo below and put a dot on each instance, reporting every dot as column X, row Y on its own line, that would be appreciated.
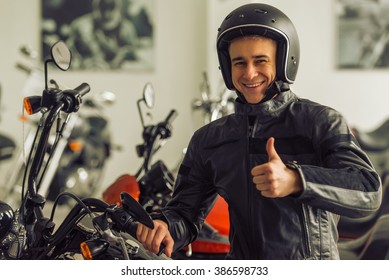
column 255, row 57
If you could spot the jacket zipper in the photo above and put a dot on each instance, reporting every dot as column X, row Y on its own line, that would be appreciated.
column 251, row 132
column 306, row 231
column 252, row 128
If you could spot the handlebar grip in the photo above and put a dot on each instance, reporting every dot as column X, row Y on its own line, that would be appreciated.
column 131, row 229
column 82, row 89
column 73, row 98
column 23, row 67
column 172, row 115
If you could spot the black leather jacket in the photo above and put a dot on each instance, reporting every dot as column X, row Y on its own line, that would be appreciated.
column 338, row 179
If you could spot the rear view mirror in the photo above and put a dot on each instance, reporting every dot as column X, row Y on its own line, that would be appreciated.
column 61, row 55
column 148, row 95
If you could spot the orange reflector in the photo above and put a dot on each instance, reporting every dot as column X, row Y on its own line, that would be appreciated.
column 27, row 106
column 85, row 251
column 23, row 118
column 75, row 146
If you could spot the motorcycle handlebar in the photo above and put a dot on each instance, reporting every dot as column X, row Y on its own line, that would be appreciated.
column 170, row 117
column 82, row 89
column 23, row 68
column 131, row 229
column 73, row 98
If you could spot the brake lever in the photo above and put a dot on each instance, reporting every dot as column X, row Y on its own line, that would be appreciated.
column 133, row 214
column 131, row 206
column 161, row 249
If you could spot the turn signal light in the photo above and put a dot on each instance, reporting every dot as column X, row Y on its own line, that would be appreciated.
column 91, row 249
column 75, row 146
column 32, row 104
column 85, row 251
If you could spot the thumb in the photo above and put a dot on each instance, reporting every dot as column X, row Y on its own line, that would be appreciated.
column 271, row 150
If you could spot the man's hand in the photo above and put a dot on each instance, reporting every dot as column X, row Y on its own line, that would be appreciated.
column 152, row 239
column 274, row 178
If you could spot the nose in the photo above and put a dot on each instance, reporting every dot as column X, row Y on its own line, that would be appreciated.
column 250, row 71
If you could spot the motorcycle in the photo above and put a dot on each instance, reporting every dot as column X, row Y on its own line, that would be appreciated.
column 373, row 244
column 367, row 237
column 92, row 229
column 375, row 143
column 140, row 185
column 376, row 146
column 7, row 144
column 211, row 107
column 152, row 186
column 82, row 151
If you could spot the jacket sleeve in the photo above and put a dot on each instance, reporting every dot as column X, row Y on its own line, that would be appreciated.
column 345, row 182
column 193, row 198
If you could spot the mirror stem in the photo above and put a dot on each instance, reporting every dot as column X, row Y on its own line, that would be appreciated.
column 46, row 65
column 140, row 113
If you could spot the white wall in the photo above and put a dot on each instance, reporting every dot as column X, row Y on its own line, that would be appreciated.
column 360, row 95
column 180, row 58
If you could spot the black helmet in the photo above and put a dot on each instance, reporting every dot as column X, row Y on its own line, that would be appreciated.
column 6, row 219
column 262, row 20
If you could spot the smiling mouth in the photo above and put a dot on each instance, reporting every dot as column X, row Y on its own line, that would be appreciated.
column 254, row 85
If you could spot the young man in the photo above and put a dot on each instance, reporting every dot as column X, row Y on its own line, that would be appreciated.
column 287, row 167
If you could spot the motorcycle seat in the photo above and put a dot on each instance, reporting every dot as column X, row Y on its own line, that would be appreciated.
column 7, row 147
column 370, row 143
column 353, row 228
column 373, row 245
column 375, row 140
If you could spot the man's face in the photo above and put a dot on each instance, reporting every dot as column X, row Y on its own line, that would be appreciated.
column 253, row 66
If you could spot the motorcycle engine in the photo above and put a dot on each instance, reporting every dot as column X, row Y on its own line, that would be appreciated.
column 9, row 232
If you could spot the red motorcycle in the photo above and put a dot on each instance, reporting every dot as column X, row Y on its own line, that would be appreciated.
column 152, row 187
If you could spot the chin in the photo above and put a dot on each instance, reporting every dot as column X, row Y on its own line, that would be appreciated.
column 254, row 100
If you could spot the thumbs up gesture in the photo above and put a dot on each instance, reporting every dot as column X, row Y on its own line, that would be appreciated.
column 271, row 150
column 274, row 179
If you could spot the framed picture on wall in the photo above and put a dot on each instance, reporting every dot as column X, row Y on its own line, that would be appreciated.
column 363, row 33
column 101, row 34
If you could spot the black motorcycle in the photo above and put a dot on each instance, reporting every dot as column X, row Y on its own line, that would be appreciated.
column 82, row 151
column 92, row 229
column 7, row 144
column 368, row 237
column 152, row 186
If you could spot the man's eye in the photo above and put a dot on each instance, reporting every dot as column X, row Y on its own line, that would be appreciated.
column 239, row 63
column 261, row 61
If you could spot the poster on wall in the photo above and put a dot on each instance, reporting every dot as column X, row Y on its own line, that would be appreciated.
column 101, row 34
column 363, row 34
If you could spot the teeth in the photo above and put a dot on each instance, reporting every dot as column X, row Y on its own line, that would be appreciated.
column 253, row 85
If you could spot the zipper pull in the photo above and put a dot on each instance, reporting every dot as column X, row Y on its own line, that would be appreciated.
column 252, row 125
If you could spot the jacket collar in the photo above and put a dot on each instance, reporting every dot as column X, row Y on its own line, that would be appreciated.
column 271, row 108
